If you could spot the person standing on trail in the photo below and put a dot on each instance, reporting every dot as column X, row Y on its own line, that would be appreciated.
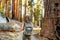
column 27, row 27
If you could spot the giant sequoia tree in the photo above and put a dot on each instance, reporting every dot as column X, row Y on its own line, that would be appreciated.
column 52, row 13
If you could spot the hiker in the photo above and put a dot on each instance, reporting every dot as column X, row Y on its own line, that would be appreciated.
column 27, row 28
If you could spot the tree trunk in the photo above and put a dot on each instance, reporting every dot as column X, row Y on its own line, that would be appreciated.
column 14, row 9
column 49, row 24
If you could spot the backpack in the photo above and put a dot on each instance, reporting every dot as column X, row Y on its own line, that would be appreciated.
column 28, row 28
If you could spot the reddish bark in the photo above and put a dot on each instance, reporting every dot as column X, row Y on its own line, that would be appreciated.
column 52, row 11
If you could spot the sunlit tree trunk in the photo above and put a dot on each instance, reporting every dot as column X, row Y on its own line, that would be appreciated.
column 26, row 6
column 14, row 9
column 38, row 5
column 7, row 8
column 2, row 4
column 31, row 7
column 20, row 10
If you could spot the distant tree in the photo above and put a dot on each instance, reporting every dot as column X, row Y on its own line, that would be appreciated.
column 37, row 12
column 31, row 6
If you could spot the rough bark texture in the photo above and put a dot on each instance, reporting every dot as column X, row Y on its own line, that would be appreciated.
column 52, row 13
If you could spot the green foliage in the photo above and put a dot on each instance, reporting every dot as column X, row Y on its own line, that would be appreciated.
column 1, row 11
column 30, row 2
column 0, row 5
column 37, row 13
